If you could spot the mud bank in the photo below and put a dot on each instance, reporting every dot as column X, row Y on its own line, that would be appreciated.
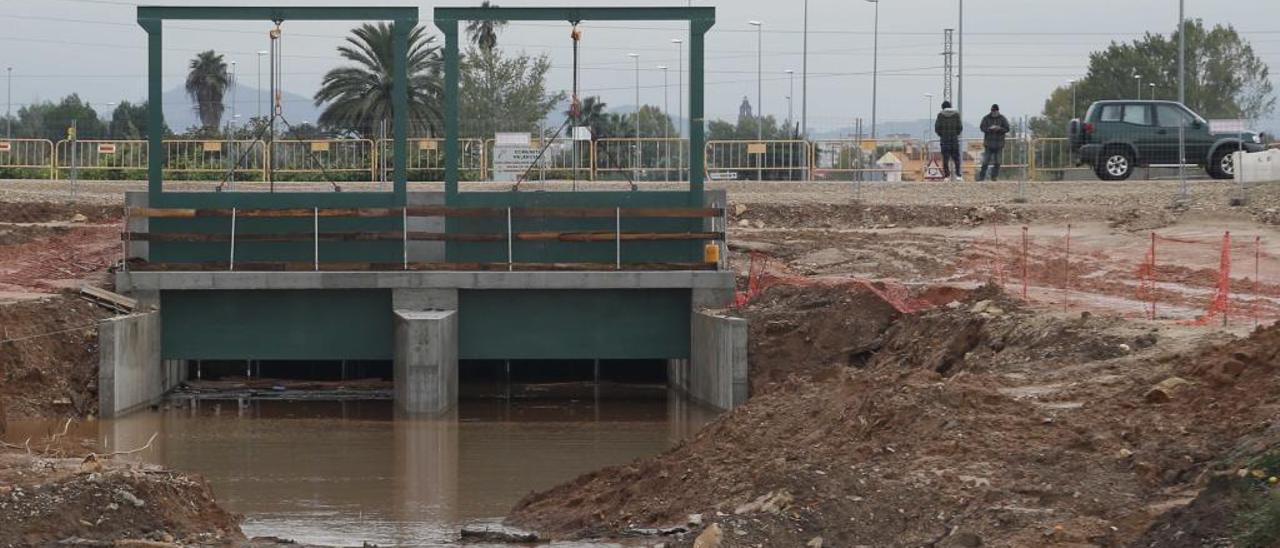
column 977, row 423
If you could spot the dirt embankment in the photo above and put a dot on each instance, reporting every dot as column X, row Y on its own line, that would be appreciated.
column 48, row 501
column 859, row 215
column 977, row 423
column 49, row 360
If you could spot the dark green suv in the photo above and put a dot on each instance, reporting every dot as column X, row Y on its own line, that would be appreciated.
column 1117, row 136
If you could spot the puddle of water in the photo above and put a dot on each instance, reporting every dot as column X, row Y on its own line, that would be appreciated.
column 344, row 473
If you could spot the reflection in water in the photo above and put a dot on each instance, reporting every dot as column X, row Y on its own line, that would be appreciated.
column 349, row 472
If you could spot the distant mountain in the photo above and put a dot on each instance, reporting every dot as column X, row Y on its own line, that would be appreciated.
column 180, row 114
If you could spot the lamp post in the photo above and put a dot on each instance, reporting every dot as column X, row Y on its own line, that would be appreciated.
column 679, row 84
column 1138, row 77
column 260, row 54
column 8, row 103
column 960, row 66
column 791, row 95
column 875, row 66
column 928, row 114
column 804, row 77
column 666, row 104
column 1072, row 84
column 1152, row 86
column 635, row 170
column 233, row 89
column 759, row 93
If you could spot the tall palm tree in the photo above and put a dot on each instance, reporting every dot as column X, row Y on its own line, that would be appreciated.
column 359, row 97
column 592, row 115
column 484, row 34
column 207, row 82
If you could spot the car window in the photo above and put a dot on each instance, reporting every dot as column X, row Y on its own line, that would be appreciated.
column 1111, row 113
column 1139, row 115
column 1171, row 116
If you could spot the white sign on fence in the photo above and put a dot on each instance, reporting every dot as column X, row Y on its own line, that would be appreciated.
column 511, row 162
column 723, row 175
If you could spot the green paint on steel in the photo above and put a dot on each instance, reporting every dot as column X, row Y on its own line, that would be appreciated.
column 605, row 324
column 277, row 325
column 151, row 18
column 701, row 19
column 554, row 251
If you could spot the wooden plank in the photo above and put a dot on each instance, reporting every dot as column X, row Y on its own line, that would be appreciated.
column 142, row 266
column 108, row 299
column 437, row 211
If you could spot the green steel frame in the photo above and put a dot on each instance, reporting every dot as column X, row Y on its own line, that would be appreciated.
column 151, row 19
column 700, row 21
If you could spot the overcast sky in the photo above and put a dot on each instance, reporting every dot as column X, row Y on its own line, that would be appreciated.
column 1016, row 51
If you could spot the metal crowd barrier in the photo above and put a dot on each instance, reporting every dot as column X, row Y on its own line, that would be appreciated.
column 758, row 160
column 653, row 158
column 27, row 154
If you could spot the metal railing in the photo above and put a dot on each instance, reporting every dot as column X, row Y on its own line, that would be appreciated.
column 27, row 154
column 893, row 160
column 653, row 158
column 426, row 160
column 758, row 160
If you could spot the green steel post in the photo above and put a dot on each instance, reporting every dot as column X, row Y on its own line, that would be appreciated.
column 449, row 27
column 400, row 100
column 697, row 136
column 155, row 106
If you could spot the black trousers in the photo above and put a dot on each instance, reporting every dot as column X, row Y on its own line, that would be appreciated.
column 950, row 156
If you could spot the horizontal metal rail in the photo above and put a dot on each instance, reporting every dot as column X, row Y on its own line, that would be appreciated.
column 396, row 236
column 308, row 266
column 436, row 211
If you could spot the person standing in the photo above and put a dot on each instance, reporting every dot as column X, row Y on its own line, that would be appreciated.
column 994, row 127
column 948, row 127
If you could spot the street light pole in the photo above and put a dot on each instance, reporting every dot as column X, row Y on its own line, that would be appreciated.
column 233, row 89
column 804, row 78
column 759, row 94
column 791, row 96
column 1072, row 84
column 635, row 177
column 960, row 67
column 1182, row 95
column 666, row 104
column 680, row 84
column 8, row 103
column 875, row 67
column 924, row 138
column 260, row 54
column 1138, row 77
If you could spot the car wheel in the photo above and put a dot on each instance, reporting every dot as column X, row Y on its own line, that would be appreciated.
column 1222, row 165
column 1115, row 165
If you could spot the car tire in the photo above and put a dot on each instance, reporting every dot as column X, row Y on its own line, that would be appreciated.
column 1115, row 165
column 1222, row 164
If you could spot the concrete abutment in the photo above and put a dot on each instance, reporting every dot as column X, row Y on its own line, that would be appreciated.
column 716, row 372
column 131, row 372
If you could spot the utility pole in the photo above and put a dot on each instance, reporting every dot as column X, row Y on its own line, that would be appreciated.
column 680, row 101
column 875, row 67
column 960, row 67
column 759, row 94
column 8, row 103
column 804, row 78
column 666, row 104
column 639, row 155
column 1182, row 96
column 791, row 95
column 260, row 54
column 948, row 59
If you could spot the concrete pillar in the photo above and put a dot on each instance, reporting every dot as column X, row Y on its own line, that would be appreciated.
column 716, row 373
column 131, row 373
column 426, row 361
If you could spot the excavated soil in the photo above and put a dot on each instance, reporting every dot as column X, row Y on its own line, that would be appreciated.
column 87, row 501
column 976, row 423
column 49, row 360
column 48, row 212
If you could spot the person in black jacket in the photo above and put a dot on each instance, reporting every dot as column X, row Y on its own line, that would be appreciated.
column 948, row 127
column 994, row 127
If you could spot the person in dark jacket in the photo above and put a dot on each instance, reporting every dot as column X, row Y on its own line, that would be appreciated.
column 994, row 127
column 948, row 127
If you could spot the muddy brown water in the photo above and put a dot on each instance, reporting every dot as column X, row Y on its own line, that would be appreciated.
column 346, row 473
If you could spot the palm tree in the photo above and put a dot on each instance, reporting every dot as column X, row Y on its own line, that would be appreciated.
column 359, row 96
column 592, row 115
column 206, row 84
column 484, row 34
